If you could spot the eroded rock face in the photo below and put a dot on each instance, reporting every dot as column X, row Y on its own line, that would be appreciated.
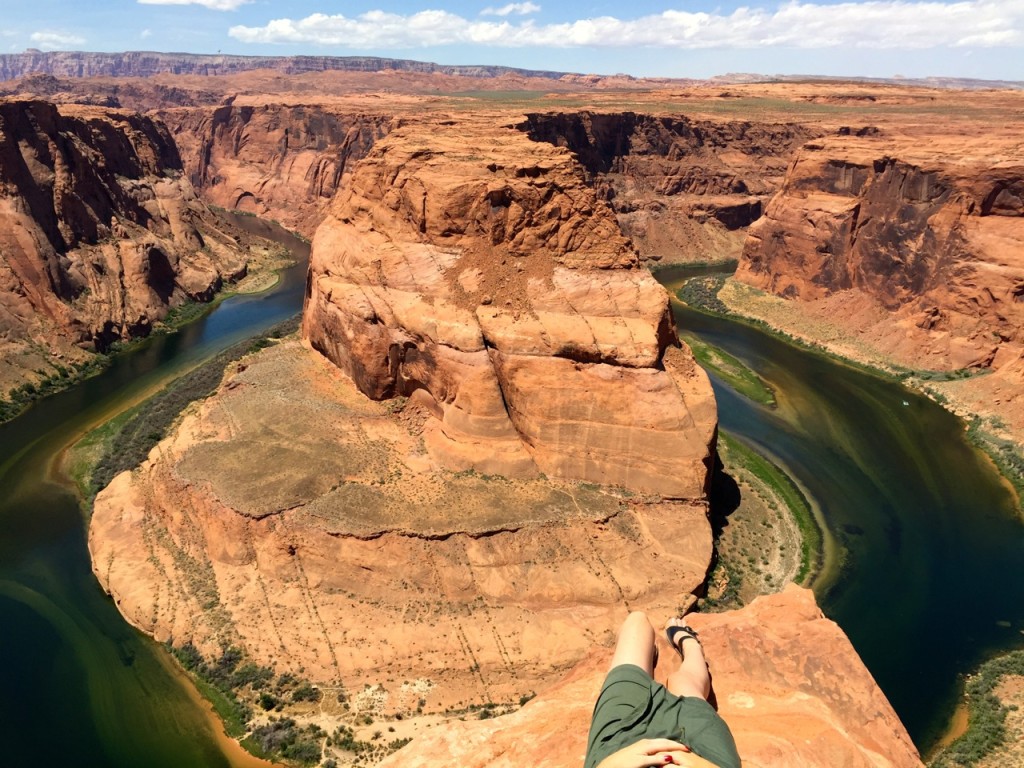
column 474, row 271
column 276, row 161
column 682, row 189
column 936, row 239
column 294, row 518
column 787, row 680
column 99, row 232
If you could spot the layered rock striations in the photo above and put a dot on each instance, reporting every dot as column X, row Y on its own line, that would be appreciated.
column 934, row 239
column 469, row 278
column 281, row 162
column 99, row 232
column 788, row 682
column 474, row 271
column 683, row 189
column 292, row 517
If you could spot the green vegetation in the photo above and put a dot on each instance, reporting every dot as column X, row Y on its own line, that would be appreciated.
column 1005, row 454
column 701, row 293
column 986, row 719
column 780, row 483
column 731, row 370
column 60, row 378
column 282, row 738
column 370, row 752
column 217, row 681
column 125, row 442
column 229, row 681
column 186, row 313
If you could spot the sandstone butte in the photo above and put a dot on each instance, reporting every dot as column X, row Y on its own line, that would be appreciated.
column 454, row 547
column 100, row 234
column 474, row 271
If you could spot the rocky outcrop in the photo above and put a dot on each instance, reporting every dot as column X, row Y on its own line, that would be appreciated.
column 280, row 162
column 290, row 516
column 150, row 63
column 934, row 239
column 99, row 232
column 683, row 189
column 787, row 681
column 474, row 271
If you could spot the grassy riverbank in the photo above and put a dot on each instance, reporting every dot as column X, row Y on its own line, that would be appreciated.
column 744, row 304
column 765, row 528
column 731, row 371
column 993, row 699
column 124, row 442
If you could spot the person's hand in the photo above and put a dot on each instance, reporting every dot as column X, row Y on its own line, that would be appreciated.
column 647, row 752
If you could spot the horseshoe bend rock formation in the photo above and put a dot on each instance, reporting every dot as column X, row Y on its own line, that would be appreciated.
column 473, row 271
column 293, row 517
column 99, row 233
column 933, row 234
column 787, row 681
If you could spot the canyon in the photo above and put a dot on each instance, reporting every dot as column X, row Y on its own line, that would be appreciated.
column 100, row 235
column 416, row 500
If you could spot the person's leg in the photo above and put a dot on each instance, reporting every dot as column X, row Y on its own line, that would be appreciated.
column 636, row 643
column 692, row 678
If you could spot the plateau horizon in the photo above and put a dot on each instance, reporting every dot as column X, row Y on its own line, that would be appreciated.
column 978, row 39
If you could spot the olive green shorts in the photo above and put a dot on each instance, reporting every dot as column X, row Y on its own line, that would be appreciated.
column 632, row 707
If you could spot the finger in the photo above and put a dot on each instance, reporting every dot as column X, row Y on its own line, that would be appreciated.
column 650, row 746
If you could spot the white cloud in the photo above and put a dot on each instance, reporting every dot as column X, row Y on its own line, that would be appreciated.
column 214, row 5
column 877, row 24
column 519, row 9
column 55, row 41
column 146, row 33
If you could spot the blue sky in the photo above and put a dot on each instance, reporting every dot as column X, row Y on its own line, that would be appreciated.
column 672, row 38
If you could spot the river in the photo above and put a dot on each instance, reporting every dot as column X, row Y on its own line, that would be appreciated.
column 929, row 586
column 932, row 578
column 78, row 686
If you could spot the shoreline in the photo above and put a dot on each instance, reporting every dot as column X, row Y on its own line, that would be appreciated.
column 237, row 755
column 977, row 429
column 919, row 381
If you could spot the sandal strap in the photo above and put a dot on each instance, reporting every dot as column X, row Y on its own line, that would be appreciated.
column 675, row 631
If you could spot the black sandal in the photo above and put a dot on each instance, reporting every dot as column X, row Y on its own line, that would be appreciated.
column 674, row 631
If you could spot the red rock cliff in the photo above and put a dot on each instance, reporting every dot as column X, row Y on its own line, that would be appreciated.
column 99, row 232
column 682, row 189
column 474, row 270
column 281, row 162
column 936, row 238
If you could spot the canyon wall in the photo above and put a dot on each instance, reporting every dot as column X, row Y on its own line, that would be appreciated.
column 475, row 271
column 100, row 233
column 934, row 239
column 683, row 189
column 150, row 63
column 276, row 161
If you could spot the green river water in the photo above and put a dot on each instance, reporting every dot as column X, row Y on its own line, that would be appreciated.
column 931, row 581
column 78, row 686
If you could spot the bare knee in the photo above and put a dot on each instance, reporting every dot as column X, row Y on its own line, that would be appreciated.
column 637, row 618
